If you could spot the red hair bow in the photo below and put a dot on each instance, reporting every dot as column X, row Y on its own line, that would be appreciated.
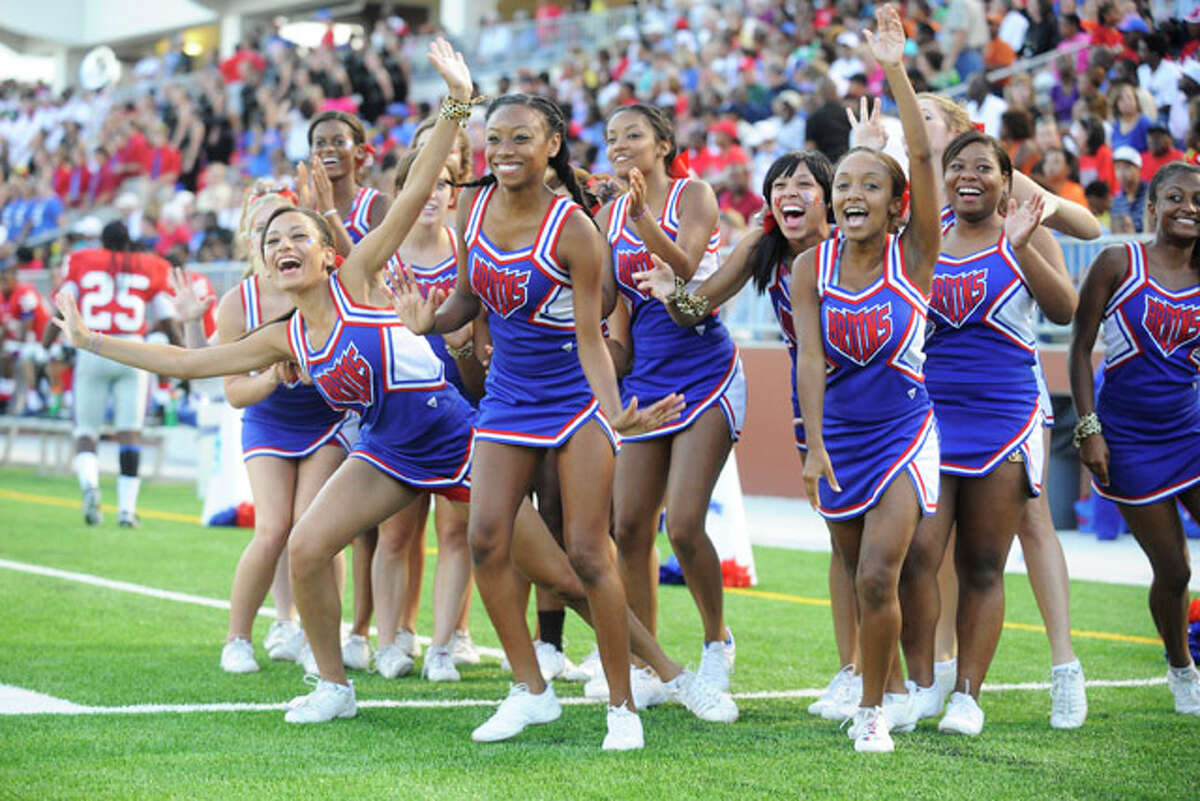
column 681, row 167
column 978, row 126
column 769, row 223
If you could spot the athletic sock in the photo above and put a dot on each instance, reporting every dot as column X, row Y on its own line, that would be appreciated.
column 1072, row 665
column 87, row 468
column 127, row 493
column 1183, row 672
column 550, row 626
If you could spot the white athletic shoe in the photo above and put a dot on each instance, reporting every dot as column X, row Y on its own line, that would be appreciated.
column 327, row 702
column 127, row 519
column 844, row 704
column 945, row 677
column 624, row 730
column 356, row 652
column 307, row 661
column 928, row 700
column 551, row 660
column 284, row 640
column 238, row 657
column 648, row 689
column 900, row 709
column 520, row 709
column 392, row 662
column 701, row 698
column 716, row 662
column 1186, row 690
column 462, row 648
column 596, row 687
column 439, row 665
column 586, row 670
column 408, row 641
column 963, row 716
column 823, row 703
column 870, row 731
column 1068, row 698
column 91, row 506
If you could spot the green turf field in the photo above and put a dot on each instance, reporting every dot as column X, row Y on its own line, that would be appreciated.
column 101, row 646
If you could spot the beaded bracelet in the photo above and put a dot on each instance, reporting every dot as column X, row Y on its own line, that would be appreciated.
column 94, row 342
column 686, row 302
column 461, row 353
column 1088, row 424
column 458, row 110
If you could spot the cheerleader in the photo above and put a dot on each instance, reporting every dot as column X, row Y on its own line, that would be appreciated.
column 1141, row 438
column 797, row 190
column 982, row 366
column 860, row 303
column 535, row 260
column 668, row 214
column 930, row 614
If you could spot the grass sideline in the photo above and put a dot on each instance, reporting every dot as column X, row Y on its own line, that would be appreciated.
column 96, row 646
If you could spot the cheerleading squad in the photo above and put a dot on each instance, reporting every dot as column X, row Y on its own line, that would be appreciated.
column 386, row 358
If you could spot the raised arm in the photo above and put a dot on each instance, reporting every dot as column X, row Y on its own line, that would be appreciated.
column 372, row 253
column 922, row 238
column 1046, row 275
column 810, row 372
column 697, row 219
column 1101, row 281
column 692, row 308
column 1062, row 215
column 261, row 349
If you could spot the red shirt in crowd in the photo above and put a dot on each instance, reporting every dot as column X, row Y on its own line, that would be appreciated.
column 1151, row 162
column 747, row 205
column 25, row 304
column 136, row 155
column 163, row 162
column 71, row 183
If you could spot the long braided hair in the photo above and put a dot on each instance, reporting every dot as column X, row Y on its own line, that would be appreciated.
column 556, row 123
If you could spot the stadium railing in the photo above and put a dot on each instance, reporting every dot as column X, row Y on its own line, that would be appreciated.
column 1024, row 65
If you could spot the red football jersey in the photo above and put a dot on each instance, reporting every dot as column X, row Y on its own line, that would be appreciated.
column 26, row 304
column 113, row 289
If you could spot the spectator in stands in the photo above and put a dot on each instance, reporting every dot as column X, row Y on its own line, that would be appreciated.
column 1073, row 39
column 1158, row 73
column 1065, row 93
column 1016, row 134
column 789, row 108
column 1056, row 175
column 1099, row 198
column 738, row 195
column 1095, row 156
column 828, row 129
column 847, row 64
column 1013, row 24
column 166, row 162
column 1161, row 150
column 26, row 315
column 1130, row 199
column 983, row 107
column 998, row 53
column 964, row 36
column 1129, row 123
column 1045, row 133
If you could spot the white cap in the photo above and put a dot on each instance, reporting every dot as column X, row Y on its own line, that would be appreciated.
column 847, row 39
column 127, row 201
column 90, row 226
column 1127, row 153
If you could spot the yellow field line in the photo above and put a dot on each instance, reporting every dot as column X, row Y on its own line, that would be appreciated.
column 50, row 500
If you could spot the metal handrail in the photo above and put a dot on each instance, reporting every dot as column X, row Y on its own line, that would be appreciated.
column 1024, row 65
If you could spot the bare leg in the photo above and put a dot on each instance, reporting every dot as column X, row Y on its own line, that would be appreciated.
column 919, row 587
column 281, row 588
column 414, row 572
column 272, row 485
column 946, row 642
column 388, row 576
column 452, row 576
column 364, row 552
column 639, row 485
column 845, row 609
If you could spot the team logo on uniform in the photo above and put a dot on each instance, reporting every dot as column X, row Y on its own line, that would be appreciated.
column 630, row 262
column 956, row 297
column 859, row 334
column 502, row 290
column 1169, row 325
column 348, row 382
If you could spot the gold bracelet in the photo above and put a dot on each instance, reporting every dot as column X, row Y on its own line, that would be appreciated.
column 458, row 110
column 461, row 353
column 1088, row 424
column 686, row 302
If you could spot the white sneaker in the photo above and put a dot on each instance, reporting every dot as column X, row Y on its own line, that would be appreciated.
column 845, row 702
column 439, row 665
column 91, row 506
column 520, row 709
column 596, row 687
column 284, row 640
column 356, row 652
column 392, row 662
column 648, row 689
column 928, row 700
column 624, row 730
column 462, row 648
column 701, row 698
column 306, row 660
column 822, row 704
column 963, row 716
column 1068, row 698
column 408, row 641
column 945, row 677
column 551, row 660
column 870, row 731
column 1186, row 690
column 128, row 519
column 716, row 662
column 900, row 709
column 327, row 702
column 238, row 656
column 586, row 670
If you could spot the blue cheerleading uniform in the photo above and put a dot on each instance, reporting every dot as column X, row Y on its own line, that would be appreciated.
column 358, row 223
column 440, row 276
column 1148, row 405
column 413, row 425
column 981, row 366
column 702, row 362
column 293, row 421
column 536, row 394
column 879, row 421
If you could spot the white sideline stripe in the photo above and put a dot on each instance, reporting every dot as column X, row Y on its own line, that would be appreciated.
column 26, row 702
column 170, row 595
